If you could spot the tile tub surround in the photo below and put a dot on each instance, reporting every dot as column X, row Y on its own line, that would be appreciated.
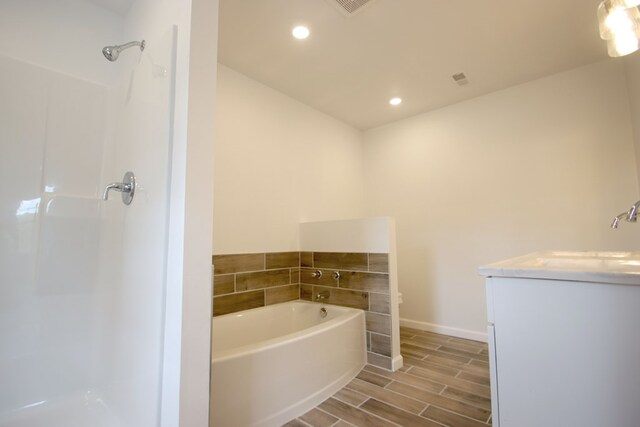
column 363, row 283
column 245, row 281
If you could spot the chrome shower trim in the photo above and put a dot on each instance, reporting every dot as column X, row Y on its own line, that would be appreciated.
column 112, row 52
column 127, row 187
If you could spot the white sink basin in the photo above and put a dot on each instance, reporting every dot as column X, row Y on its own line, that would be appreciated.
column 611, row 267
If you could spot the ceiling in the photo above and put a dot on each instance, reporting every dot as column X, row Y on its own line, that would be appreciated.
column 350, row 67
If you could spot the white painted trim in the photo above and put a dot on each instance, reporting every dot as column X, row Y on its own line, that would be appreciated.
column 445, row 330
column 396, row 358
column 397, row 363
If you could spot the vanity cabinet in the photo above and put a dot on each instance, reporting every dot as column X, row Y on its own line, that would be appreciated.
column 564, row 339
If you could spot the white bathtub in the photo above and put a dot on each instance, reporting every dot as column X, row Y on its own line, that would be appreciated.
column 271, row 364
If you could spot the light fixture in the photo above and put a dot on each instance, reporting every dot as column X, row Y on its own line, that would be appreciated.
column 395, row 101
column 300, row 32
column 628, row 3
column 622, row 45
column 619, row 22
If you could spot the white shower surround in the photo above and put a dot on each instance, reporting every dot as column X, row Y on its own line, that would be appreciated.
column 274, row 363
column 83, row 301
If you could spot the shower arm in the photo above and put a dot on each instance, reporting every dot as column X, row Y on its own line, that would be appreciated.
column 131, row 44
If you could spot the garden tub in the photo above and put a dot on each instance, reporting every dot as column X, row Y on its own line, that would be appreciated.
column 274, row 363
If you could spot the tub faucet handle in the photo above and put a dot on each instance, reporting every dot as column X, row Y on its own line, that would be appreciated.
column 316, row 274
column 336, row 275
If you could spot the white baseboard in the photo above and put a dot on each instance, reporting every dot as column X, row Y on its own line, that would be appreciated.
column 397, row 363
column 445, row 330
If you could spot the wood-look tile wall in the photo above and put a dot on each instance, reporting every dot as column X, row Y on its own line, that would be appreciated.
column 245, row 281
column 363, row 283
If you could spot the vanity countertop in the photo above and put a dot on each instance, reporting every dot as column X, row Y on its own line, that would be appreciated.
column 599, row 267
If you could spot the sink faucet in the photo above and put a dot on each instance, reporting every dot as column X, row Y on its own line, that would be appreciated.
column 630, row 216
column 617, row 219
column 633, row 212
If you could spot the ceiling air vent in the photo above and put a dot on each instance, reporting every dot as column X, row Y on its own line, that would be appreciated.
column 350, row 7
column 460, row 79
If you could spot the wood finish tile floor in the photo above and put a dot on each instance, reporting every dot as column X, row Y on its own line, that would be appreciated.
column 444, row 382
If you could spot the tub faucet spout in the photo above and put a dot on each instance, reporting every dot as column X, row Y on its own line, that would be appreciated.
column 322, row 295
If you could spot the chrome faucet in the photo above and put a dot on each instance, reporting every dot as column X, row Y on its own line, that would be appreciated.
column 633, row 212
column 118, row 186
column 617, row 219
column 322, row 295
column 127, row 187
column 630, row 216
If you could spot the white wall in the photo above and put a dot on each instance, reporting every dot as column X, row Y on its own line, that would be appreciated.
column 277, row 163
column 632, row 72
column 543, row 165
column 371, row 235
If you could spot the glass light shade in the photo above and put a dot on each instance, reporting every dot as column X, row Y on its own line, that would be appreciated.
column 622, row 45
column 614, row 18
column 622, row 4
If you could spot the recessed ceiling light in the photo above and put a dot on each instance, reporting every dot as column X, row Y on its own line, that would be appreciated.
column 395, row 101
column 300, row 32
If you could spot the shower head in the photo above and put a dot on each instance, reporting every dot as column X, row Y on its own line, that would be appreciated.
column 112, row 52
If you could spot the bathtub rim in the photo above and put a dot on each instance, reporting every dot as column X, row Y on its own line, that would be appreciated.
column 348, row 314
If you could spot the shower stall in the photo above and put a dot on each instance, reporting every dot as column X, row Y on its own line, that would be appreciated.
column 83, row 280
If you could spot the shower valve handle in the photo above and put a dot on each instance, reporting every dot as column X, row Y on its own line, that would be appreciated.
column 127, row 187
